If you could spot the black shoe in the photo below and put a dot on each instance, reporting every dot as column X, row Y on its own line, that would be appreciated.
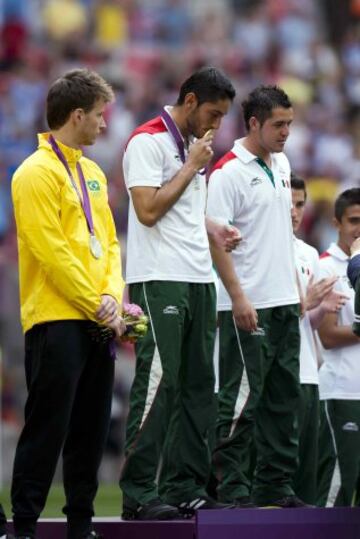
column 244, row 502
column 93, row 535
column 287, row 502
column 153, row 510
column 7, row 536
column 188, row 509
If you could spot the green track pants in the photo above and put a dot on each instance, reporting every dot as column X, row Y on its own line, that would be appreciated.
column 171, row 400
column 258, row 399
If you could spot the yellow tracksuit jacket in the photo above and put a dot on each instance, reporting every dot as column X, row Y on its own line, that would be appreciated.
column 59, row 277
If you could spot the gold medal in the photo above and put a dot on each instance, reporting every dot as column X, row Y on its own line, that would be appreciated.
column 95, row 246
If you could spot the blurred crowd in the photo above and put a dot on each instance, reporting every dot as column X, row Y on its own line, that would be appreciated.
column 145, row 48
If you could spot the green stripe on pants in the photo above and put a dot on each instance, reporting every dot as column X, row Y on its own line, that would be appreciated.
column 172, row 393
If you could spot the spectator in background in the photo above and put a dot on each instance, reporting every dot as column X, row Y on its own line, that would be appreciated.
column 14, row 32
column 111, row 24
column 65, row 19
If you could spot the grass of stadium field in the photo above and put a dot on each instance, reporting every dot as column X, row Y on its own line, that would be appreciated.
column 107, row 503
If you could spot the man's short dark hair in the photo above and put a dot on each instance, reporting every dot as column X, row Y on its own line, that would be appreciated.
column 261, row 102
column 77, row 89
column 298, row 183
column 209, row 85
column 350, row 197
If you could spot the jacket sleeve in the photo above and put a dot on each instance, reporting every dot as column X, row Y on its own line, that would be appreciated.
column 353, row 270
column 37, row 213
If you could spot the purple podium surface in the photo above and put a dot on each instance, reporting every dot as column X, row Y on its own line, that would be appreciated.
column 334, row 523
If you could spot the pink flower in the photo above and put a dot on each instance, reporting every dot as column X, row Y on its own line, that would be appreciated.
column 131, row 309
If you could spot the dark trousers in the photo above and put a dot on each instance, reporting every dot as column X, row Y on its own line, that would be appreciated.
column 2, row 521
column 339, row 453
column 69, row 379
column 305, row 480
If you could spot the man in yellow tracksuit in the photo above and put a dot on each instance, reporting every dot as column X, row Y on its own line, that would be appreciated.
column 70, row 285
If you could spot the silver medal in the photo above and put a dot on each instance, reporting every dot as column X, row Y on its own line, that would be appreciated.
column 95, row 246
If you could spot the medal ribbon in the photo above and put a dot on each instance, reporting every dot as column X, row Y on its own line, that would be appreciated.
column 174, row 131
column 84, row 201
column 268, row 170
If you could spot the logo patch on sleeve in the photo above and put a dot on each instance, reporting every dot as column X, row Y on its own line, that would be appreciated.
column 93, row 185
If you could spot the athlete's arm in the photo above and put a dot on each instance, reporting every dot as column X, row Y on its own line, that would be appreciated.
column 353, row 270
column 152, row 203
column 334, row 336
column 244, row 313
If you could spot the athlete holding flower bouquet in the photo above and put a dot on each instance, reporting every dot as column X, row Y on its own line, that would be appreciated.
column 70, row 281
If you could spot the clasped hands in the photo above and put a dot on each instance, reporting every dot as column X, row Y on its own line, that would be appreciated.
column 108, row 315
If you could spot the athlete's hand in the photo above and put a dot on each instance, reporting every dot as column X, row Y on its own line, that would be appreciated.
column 108, row 309
column 334, row 301
column 200, row 152
column 117, row 325
column 316, row 292
column 222, row 235
column 245, row 315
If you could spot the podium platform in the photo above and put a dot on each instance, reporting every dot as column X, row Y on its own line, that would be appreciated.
column 335, row 523
column 115, row 528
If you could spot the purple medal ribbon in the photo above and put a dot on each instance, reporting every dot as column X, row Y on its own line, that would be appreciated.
column 85, row 204
column 175, row 133
column 85, row 201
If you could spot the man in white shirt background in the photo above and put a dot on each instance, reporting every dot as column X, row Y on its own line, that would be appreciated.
column 339, row 375
column 319, row 299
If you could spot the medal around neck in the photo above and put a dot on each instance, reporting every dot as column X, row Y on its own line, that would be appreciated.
column 95, row 246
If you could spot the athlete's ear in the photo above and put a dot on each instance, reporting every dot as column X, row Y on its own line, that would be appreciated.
column 77, row 115
column 254, row 124
column 336, row 223
column 190, row 101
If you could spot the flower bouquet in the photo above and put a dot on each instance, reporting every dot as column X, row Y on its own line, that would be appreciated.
column 136, row 326
column 136, row 322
